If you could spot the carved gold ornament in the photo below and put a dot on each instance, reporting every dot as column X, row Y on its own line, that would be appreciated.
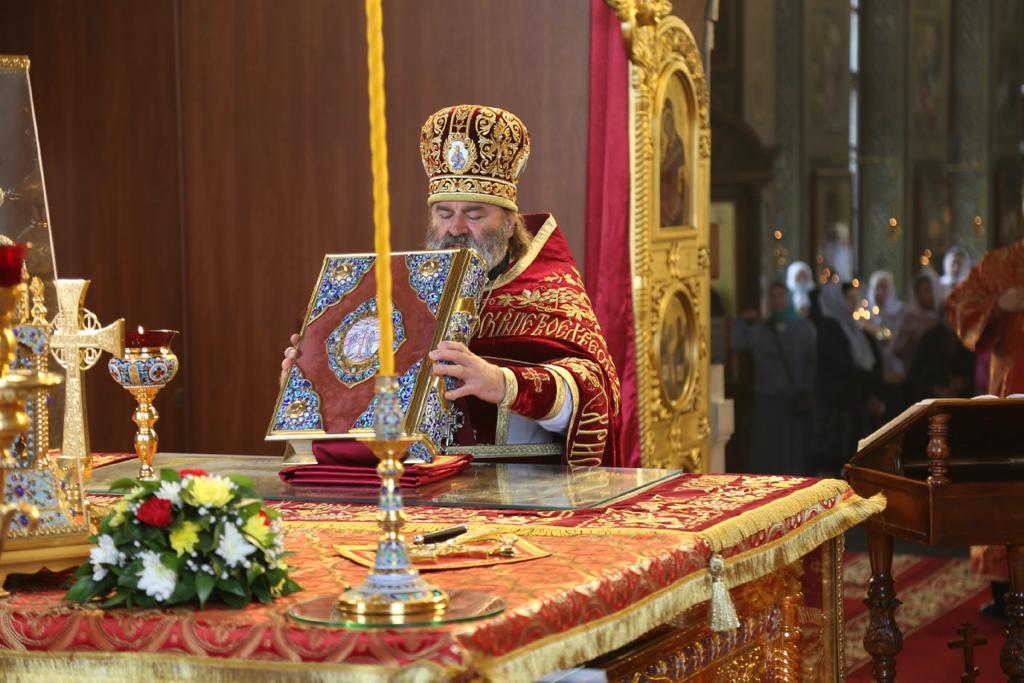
column 670, row 115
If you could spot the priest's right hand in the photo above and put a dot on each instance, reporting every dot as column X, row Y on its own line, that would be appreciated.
column 479, row 377
column 291, row 354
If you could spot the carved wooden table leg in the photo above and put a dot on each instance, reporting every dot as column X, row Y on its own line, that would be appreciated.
column 883, row 639
column 1011, row 659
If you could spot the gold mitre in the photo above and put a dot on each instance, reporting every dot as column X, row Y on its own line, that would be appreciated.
column 474, row 153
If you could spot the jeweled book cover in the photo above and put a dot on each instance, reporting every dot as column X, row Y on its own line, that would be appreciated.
column 329, row 393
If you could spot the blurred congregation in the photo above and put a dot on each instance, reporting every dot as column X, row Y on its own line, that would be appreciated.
column 850, row 205
column 833, row 361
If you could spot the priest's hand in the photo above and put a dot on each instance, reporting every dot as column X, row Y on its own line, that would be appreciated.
column 291, row 354
column 1012, row 300
column 479, row 378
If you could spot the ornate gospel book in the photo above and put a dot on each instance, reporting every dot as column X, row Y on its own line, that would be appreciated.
column 329, row 393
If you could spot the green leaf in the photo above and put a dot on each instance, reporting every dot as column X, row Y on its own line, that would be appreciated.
column 119, row 598
column 262, row 593
column 128, row 579
column 169, row 475
column 143, row 600
column 184, row 591
column 232, row 600
column 171, row 561
column 249, row 509
column 254, row 571
column 241, row 481
column 291, row 587
column 124, row 484
column 231, row 586
column 83, row 590
column 204, row 586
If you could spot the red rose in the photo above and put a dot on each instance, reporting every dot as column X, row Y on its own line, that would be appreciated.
column 194, row 473
column 155, row 512
column 265, row 517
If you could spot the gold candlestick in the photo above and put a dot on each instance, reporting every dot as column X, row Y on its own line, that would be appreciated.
column 394, row 587
column 146, row 439
column 143, row 372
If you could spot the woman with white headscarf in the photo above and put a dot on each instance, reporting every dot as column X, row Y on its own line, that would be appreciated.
column 956, row 264
column 800, row 282
column 882, row 296
column 920, row 316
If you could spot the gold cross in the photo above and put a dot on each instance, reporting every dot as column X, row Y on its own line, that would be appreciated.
column 537, row 377
column 77, row 342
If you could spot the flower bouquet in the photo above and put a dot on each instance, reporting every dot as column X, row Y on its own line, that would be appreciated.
column 187, row 536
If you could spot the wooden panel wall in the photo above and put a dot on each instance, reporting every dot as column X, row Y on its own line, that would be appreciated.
column 103, row 79
column 201, row 157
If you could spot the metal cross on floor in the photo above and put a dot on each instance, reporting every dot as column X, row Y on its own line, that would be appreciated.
column 968, row 642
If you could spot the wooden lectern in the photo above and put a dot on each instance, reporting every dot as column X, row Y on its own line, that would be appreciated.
column 953, row 474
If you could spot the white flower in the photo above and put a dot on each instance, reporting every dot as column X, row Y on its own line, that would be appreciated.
column 157, row 580
column 170, row 490
column 105, row 552
column 233, row 547
column 136, row 493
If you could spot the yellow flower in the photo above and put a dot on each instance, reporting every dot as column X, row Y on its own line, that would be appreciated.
column 185, row 537
column 212, row 492
column 119, row 510
column 256, row 528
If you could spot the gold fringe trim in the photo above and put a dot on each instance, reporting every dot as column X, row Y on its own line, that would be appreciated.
column 733, row 531
column 590, row 640
column 765, row 559
column 587, row 641
column 103, row 667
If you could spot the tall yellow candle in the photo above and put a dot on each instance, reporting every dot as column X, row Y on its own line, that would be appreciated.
column 379, row 166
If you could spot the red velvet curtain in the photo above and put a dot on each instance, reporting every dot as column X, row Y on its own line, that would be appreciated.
column 609, row 275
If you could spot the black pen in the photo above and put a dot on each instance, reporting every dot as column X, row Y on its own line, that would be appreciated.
column 439, row 536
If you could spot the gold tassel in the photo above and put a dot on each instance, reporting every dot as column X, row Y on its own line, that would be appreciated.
column 722, row 612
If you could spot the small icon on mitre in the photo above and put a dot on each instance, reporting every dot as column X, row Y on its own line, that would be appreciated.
column 457, row 156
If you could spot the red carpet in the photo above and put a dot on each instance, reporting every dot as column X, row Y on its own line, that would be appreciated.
column 939, row 594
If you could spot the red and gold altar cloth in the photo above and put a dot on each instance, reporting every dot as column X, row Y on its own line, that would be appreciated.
column 539, row 324
column 612, row 576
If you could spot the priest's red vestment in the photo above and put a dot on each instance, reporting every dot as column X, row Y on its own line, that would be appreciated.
column 973, row 311
column 975, row 315
column 538, row 321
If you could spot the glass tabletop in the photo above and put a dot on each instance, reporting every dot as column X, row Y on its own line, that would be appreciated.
column 482, row 485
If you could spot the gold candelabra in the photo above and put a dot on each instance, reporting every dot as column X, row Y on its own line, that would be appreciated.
column 16, row 386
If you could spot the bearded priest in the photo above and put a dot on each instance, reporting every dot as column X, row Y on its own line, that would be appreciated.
column 537, row 369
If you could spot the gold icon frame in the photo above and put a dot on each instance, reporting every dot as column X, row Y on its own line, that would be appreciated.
column 668, row 261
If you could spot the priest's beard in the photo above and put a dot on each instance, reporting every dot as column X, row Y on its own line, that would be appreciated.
column 492, row 246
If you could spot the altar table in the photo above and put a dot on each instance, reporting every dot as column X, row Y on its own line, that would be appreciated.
column 625, row 588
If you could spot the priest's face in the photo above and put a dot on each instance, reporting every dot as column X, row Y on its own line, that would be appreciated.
column 476, row 225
